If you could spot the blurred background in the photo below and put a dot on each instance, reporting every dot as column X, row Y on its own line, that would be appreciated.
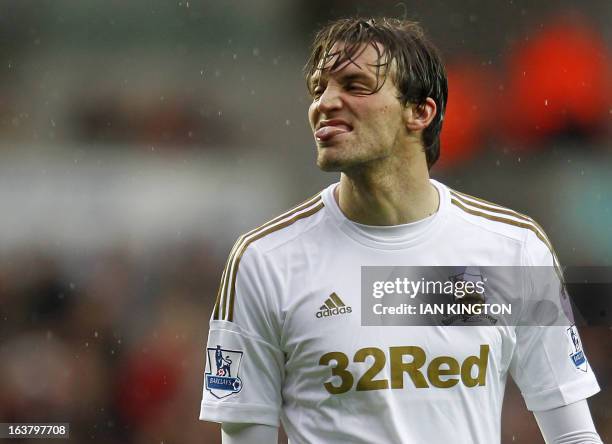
column 139, row 139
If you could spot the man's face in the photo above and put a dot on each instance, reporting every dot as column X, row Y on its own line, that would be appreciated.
column 352, row 125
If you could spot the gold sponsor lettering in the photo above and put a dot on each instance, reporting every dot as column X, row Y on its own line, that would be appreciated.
column 439, row 371
column 367, row 382
column 346, row 377
column 399, row 367
column 481, row 362
column 434, row 371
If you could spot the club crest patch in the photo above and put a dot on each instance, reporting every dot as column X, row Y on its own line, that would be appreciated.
column 577, row 355
column 222, row 367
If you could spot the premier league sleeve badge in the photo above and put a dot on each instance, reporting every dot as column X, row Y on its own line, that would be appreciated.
column 577, row 356
column 222, row 367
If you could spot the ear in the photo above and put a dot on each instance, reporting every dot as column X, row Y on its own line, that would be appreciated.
column 419, row 117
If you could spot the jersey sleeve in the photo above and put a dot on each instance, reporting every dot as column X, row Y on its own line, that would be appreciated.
column 244, row 363
column 548, row 363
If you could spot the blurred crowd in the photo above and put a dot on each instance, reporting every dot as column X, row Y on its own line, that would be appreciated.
column 112, row 344
column 111, row 339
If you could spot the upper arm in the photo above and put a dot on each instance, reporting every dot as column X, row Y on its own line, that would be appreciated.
column 233, row 433
column 244, row 362
column 548, row 363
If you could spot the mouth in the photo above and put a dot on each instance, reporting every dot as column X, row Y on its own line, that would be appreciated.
column 328, row 129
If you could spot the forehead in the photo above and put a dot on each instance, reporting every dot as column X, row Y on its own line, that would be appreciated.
column 367, row 58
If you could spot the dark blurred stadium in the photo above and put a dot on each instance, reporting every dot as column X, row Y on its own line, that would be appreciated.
column 139, row 139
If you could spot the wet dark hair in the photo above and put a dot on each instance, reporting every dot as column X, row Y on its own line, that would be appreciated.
column 419, row 72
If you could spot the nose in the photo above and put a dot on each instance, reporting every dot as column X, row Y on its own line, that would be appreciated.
column 330, row 100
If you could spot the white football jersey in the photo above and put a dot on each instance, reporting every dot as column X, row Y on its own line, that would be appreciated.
column 286, row 341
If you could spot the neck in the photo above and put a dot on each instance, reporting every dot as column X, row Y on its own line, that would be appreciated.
column 371, row 198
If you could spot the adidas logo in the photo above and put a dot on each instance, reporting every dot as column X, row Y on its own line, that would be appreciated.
column 333, row 306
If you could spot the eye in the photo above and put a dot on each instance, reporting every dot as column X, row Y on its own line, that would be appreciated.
column 317, row 91
column 356, row 87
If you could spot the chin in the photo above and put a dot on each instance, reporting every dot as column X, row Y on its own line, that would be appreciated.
column 340, row 160
column 337, row 165
column 328, row 166
column 328, row 162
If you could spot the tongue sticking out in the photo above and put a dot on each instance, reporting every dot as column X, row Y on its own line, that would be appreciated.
column 327, row 132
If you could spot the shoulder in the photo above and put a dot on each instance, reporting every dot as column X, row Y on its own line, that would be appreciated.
column 503, row 221
column 496, row 218
column 244, row 265
column 285, row 227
